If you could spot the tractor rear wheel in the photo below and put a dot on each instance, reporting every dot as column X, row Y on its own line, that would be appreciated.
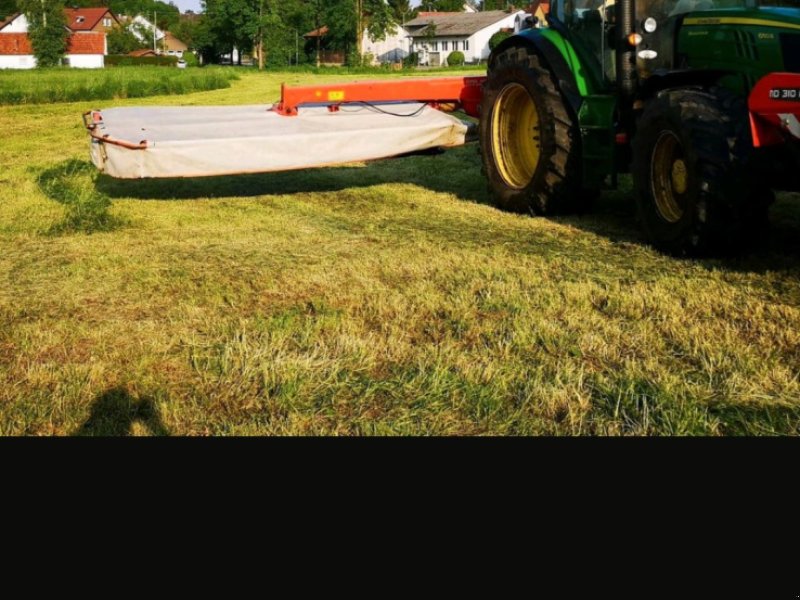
column 694, row 191
column 529, row 138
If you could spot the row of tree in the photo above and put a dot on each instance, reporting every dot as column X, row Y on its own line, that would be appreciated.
column 271, row 29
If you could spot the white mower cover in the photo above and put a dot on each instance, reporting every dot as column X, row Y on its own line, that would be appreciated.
column 227, row 140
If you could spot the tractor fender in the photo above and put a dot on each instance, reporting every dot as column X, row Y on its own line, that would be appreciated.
column 664, row 79
column 551, row 58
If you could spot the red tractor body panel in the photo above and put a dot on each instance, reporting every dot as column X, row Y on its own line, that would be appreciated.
column 774, row 106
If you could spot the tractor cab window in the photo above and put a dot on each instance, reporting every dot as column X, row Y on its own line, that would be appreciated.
column 589, row 21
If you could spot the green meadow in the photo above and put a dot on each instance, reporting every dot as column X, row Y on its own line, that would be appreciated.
column 388, row 298
column 73, row 85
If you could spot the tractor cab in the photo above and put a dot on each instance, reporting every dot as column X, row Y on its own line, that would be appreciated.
column 658, row 36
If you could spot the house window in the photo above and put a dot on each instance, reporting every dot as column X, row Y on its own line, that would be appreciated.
column 445, row 46
column 466, row 45
column 106, row 22
column 435, row 46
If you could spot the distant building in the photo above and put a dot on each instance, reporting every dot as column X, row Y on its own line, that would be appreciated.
column 86, row 44
column 84, row 20
column 163, row 42
column 436, row 35
column 172, row 46
column 539, row 9
column 85, row 51
column 326, row 57
column 395, row 46
column 143, row 53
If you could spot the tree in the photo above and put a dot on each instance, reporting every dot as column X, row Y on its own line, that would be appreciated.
column 498, row 38
column 122, row 41
column 376, row 18
column 46, row 29
column 7, row 8
column 402, row 10
column 234, row 23
column 495, row 4
column 442, row 5
column 348, row 20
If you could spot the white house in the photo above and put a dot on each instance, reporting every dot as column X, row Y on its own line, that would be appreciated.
column 85, row 50
column 393, row 48
column 143, row 29
column 436, row 35
column 15, row 24
column 164, row 42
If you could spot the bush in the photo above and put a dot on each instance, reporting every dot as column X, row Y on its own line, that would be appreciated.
column 412, row 60
column 122, row 41
column 191, row 59
column 140, row 61
column 456, row 59
column 498, row 38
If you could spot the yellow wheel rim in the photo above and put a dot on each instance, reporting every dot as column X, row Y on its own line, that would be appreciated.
column 669, row 177
column 515, row 136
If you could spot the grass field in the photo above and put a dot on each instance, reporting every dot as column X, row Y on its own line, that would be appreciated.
column 387, row 298
column 70, row 85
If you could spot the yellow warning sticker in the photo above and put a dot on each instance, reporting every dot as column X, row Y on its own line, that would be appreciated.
column 337, row 96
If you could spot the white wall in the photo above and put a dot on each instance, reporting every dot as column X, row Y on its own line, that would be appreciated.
column 478, row 42
column 28, row 61
column 394, row 48
column 86, row 61
column 141, row 22
column 18, row 25
column 17, row 62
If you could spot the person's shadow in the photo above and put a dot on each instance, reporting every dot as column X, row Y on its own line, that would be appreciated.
column 115, row 411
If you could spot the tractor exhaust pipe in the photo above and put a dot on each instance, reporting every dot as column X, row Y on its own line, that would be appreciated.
column 626, row 53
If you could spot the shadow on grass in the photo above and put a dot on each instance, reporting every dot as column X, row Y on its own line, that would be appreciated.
column 458, row 172
column 115, row 411
column 73, row 183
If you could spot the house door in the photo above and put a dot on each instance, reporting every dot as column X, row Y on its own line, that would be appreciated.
column 435, row 59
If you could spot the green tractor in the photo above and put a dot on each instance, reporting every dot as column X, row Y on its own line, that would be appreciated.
column 697, row 99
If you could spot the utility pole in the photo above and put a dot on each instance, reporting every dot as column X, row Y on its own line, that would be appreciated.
column 261, row 35
column 319, row 30
column 155, row 27
column 359, row 28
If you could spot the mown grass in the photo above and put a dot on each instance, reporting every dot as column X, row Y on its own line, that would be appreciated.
column 384, row 298
column 41, row 86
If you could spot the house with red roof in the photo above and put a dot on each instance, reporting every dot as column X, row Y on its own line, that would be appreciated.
column 84, row 20
column 86, row 44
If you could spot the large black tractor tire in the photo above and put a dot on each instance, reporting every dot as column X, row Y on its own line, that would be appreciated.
column 530, row 143
column 694, row 188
